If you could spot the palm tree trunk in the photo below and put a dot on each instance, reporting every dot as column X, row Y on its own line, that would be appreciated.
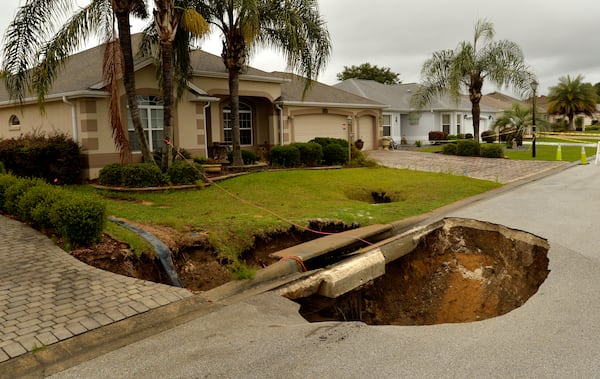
column 234, row 92
column 129, row 83
column 167, row 86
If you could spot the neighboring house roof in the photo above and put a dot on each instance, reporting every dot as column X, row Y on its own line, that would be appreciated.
column 320, row 94
column 397, row 96
column 501, row 101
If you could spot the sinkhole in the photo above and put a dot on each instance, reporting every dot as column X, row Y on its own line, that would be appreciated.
column 454, row 271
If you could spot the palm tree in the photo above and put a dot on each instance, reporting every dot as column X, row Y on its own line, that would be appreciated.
column 295, row 27
column 517, row 119
column 469, row 65
column 572, row 96
column 32, row 35
column 169, row 15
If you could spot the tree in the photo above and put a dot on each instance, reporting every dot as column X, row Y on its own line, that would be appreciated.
column 168, row 17
column 469, row 65
column 597, row 89
column 367, row 72
column 570, row 97
column 517, row 118
column 295, row 27
column 35, row 51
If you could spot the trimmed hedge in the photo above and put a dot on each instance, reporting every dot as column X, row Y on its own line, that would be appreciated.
column 56, row 158
column 332, row 155
column 311, row 153
column 135, row 175
column 182, row 172
column 77, row 219
column 491, row 151
column 437, row 136
column 467, row 148
column 285, row 156
column 449, row 149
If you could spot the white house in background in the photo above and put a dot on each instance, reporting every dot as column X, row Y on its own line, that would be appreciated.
column 399, row 121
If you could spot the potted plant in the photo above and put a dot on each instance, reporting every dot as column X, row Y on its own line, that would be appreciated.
column 359, row 144
column 386, row 142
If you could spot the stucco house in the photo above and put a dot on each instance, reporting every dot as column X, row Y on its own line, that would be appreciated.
column 399, row 121
column 273, row 110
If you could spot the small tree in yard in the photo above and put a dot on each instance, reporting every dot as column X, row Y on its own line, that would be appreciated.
column 572, row 96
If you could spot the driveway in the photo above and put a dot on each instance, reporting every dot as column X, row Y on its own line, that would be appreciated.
column 554, row 334
column 495, row 170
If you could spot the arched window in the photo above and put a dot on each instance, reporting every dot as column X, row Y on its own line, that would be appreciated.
column 245, row 125
column 13, row 121
column 151, row 115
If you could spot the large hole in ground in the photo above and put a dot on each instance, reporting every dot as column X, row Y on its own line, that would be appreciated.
column 455, row 274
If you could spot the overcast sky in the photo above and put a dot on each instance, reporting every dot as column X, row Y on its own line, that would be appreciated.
column 558, row 38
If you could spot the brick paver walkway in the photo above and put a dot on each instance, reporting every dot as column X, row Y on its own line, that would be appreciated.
column 496, row 170
column 47, row 296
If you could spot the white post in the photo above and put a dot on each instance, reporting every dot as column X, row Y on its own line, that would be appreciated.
column 597, row 154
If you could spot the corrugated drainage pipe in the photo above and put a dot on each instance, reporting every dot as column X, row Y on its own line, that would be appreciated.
column 162, row 250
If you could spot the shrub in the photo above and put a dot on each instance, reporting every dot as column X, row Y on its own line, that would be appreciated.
column 468, row 136
column 311, row 153
column 78, row 219
column 35, row 204
column 56, row 158
column 13, row 194
column 488, row 136
column 6, row 181
column 111, row 175
column 177, row 153
column 182, row 172
column 452, row 137
column 449, row 149
column 437, row 136
column 139, row 175
column 248, row 157
column 326, row 141
column 334, row 154
column 491, row 151
column 418, row 143
column 467, row 148
column 285, row 156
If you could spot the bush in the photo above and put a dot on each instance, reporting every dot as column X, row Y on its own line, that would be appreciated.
column 491, row 151
column 311, row 153
column 285, row 156
column 140, row 175
column 341, row 143
column 78, row 219
column 177, row 153
column 449, row 149
column 56, row 159
column 488, row 136
column 111, row 175
column 467, row 148
column 35, row 204
column 6, row 181
column 334, row 154
column 437, row 136
column 468, row 136
column 182, row 172
column 248, row 157
column 13, row 194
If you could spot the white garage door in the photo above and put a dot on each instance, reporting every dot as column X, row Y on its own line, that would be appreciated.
column 366, row 132
column 307, row 127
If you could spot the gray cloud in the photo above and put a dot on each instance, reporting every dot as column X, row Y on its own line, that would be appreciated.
column 558, row 38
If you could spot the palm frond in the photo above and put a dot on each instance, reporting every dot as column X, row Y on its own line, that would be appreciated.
column 112, row 72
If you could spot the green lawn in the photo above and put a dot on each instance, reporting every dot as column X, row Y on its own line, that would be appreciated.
column 235, row 210
column 543, row 152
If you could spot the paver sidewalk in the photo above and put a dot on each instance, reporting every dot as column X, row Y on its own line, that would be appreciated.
column 47, row 296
